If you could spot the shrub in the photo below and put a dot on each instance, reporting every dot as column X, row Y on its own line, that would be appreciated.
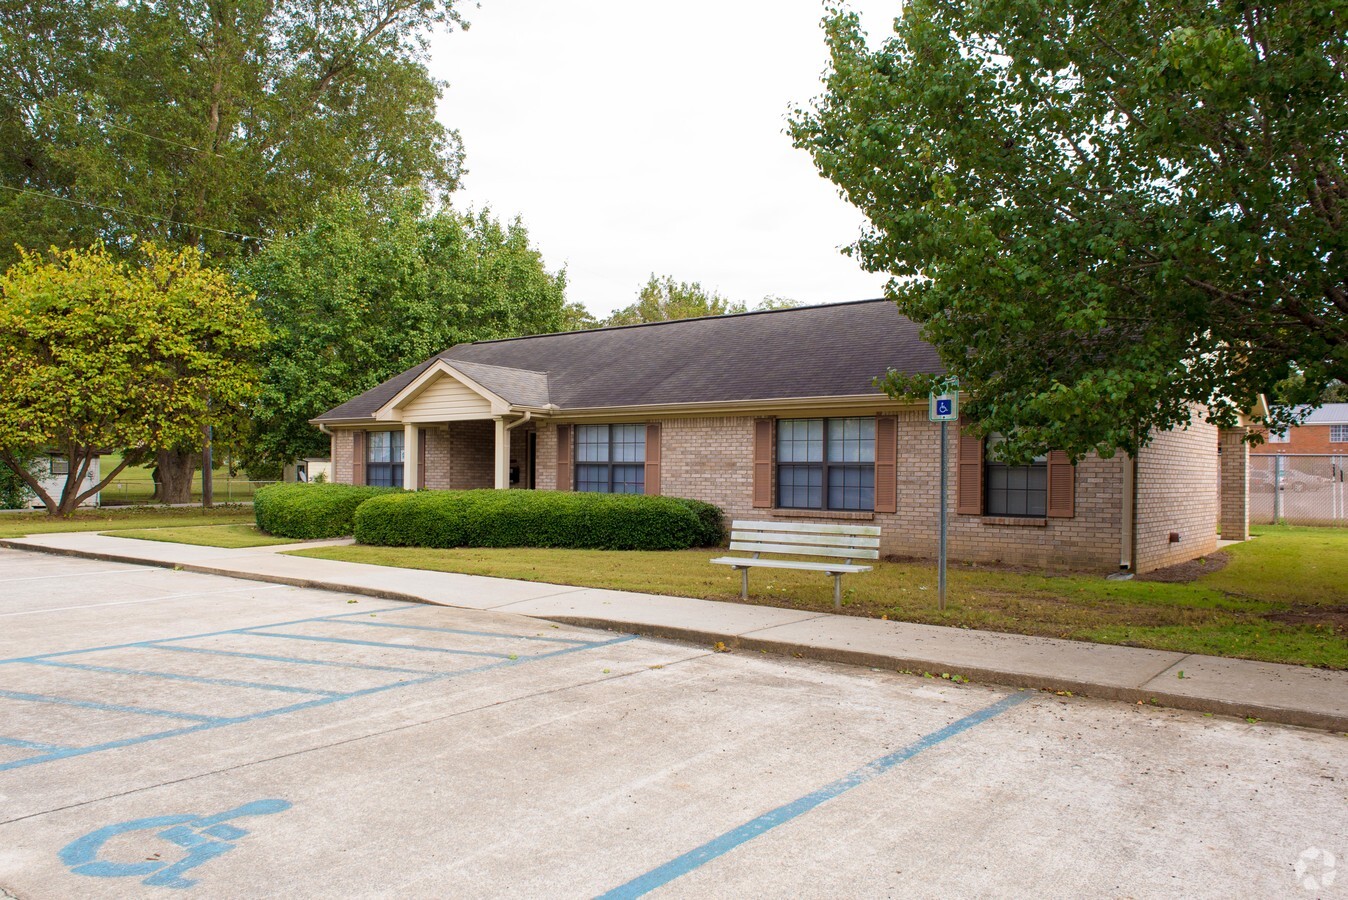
column 304, row 511
column 710, row 519
column 530, row 519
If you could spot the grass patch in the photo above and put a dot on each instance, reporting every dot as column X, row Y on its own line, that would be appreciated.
column 106, row 519
column 135, row 484
column 228, row 536
column 1225, row 613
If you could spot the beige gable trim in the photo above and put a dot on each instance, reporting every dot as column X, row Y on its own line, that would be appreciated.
column 442, row 394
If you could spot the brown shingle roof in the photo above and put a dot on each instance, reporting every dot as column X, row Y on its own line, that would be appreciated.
column 813, row 351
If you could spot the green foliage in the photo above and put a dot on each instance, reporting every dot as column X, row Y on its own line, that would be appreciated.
column 363, row 294
column 663, row 299
column 711, row 521
column 309, row 511
column 97, row 352
column 14, row 491
column 1101, row 215
column 528, row 519
column 198, row 124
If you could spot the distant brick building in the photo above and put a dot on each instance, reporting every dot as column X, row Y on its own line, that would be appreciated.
column 774, row 415
column 1325, row 431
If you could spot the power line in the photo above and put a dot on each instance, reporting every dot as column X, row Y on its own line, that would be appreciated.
column 126, row 212
column 16, row 98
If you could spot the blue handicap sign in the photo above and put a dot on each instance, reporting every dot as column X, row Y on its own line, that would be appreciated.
column 203, row 837
column 943, row 407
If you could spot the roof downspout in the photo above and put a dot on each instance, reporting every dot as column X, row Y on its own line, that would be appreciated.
column 518, row 422
column 1129, row 514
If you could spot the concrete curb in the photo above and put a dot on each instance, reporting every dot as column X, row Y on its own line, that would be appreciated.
column 1003, row 677
column 1241, row 709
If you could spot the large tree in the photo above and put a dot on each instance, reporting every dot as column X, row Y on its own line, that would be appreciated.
column 98, row 353
column 363, row 294
column 662, row 298
column 211, row 124
column 1102, row 214
column 205, row 123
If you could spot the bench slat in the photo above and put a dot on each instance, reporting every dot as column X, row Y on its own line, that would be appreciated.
column 808, row 528
column 790, row 564
column 758, row 547
column 822, row 540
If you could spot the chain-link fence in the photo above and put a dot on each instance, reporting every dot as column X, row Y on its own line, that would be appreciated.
column 1298, row 489
column 132, row 491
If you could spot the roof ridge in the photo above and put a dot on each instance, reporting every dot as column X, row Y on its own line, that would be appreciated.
column 738, row 315
column 472, row 362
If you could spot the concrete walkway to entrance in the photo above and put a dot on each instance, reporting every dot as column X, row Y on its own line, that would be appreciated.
column 1292, row 695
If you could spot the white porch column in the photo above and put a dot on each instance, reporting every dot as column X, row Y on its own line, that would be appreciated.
column 411, row 458
column 502, row 454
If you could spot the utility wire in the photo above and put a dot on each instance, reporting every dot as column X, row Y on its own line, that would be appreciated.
column 125, row 212
column 17, row 99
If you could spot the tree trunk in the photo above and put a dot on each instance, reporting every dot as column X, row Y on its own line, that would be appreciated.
column 175, row 475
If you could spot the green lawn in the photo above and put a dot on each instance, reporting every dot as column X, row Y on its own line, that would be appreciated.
column 230, row 536
column 106, row 519
column 1281, row 598
column 134, row 484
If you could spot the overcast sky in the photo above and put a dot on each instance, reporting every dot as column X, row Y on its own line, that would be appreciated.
column 638, row 137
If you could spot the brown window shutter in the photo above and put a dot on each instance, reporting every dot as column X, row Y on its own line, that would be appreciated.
column 886, row 464
column 968, row 474
column 421, row 459
column 653, row 458
column 1062, row 478
column 563, row 457
column 762, row 462
column 357, row 457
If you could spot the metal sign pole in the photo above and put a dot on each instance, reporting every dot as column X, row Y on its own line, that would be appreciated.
column 940, row 577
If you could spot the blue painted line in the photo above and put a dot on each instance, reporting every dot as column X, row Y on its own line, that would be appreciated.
column 696, row 858
column 68, row 752
column 28, row 745
column 490, row 634
column 386, row 646
column 193, row 637
column 107, row 707
column 291, row 659
column 195, row 679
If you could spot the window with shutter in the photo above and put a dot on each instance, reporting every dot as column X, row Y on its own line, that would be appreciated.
column 968, row 473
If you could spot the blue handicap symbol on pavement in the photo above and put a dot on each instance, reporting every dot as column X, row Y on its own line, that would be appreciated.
column 203, row 837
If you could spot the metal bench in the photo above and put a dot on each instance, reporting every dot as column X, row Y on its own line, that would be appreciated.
column 845, row 542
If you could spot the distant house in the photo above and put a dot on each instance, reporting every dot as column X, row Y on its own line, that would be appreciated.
column 1325, row 431
column 51, row 469
column 771, row 415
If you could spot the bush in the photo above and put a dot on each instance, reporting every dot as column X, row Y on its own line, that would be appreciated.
column 488, row 518
column 305, row 511
column 710, row 518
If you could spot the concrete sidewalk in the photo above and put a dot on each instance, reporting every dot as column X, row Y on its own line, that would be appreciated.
column 1292, row 695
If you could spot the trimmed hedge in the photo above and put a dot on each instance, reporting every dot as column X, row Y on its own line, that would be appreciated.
column 710, row 520
column 305, row 511
column 488, row 518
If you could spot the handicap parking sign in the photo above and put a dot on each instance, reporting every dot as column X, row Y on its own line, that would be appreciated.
column 944, row 407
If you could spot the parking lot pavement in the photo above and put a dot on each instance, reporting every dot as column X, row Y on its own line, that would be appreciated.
column 166, row 732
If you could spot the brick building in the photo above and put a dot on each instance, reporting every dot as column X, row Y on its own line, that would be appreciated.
column 1324, row 432
column 773, row 415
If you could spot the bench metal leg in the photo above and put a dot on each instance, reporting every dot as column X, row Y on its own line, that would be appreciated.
column 744, row 583
column 837, row 591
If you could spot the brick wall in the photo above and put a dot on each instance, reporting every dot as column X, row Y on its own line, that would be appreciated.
column 460, row 457
column 1177, row 492
column 1234, row 509
column 710, row 459
column 341, row 455
column 1302, row 439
